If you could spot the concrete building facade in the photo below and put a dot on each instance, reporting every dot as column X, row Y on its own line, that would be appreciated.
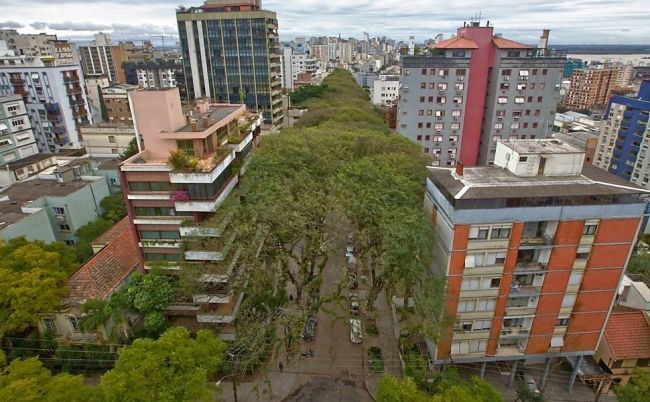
column 533, row 250
column 105, row 140
column 116, row 104
column 624, row 138
column 54, row 97
column 171, row 205
column 102, row 58
column 16, row 136
column 385, row 90
column 591, row 87
column 475, row 89
column 231, row 54
column 44, row 46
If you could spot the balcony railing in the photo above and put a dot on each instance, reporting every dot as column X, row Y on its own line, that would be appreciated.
column 531, row 266
column 539, row 240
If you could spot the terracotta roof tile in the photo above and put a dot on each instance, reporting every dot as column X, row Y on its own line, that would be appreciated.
column 628, row 334
column 112, row 233
column 458, row 42
column 107, row 269
column 503, row 43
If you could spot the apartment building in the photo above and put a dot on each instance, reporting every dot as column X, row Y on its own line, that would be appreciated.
column 16, row 136
column 53, row 95
column 533, row 250
column 170, row 205
column 591, row 87
column 385, row 90
column 295, row 64
column 240, row 63
column 116, row 104
column 47, row 47
column 624, row 138
column 470, row 91
column 107, row 140
column 102, row 58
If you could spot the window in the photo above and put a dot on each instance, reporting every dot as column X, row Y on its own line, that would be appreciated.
column 562, row 322
column 506, row 71
column 439, row 126
column 466, row 305
column 460, row 72
column 495, row 282
column 58, row 210
column 420, row 125
column 430, row 99
column 455, row 126
column 557, row 341
column 500, row 232
column 443, row 72
column 17, row 122
column 154, row 211
column 575, row 278
column 419, row 138
column 504, row 86
column 69, row 243
column 456, row 113
column 502, row 99
column 583, row 252
column 423, row 85
column 568, row 300
column 159, row 234
column 514, row 125
column 589, row 229
column 149, row 186
column 440, row 113
column 523, row 159
column 429, row 125
column 427, row 137
column 539, row 99
column 422, row 99
column 471, row 283
column 498, row 126
column 480, row 233
column 424, row 71
column 521, row 87
column 486, row 304
column 544, row 71
column 49, row 325
column 459, row 86
column 441, row 99
column 458, row 99
column 186, row 145
column 64, row 227
column 421, row 112
column 520, row 99
column 162, row 257
column 432, row 71
column 74, row 324
column 429, row 112
column 470, row 346
column 458, row 53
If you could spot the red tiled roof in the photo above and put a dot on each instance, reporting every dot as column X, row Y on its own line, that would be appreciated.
column 628, row 334
column 107, row 269
column 112, row 233
column 458, row 42
column 503, row 43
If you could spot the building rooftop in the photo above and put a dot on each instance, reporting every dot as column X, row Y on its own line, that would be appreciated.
column 503, row 43
column 214, row 115
column 458, row 42
column 106, row 270
column 107, row 163
column 113, row 233
column 14, row 197
column 497, row 183
column 29, row 160
column 547, row 146
column 628, row 334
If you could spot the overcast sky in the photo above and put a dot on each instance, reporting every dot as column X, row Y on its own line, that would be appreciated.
column 571, row 22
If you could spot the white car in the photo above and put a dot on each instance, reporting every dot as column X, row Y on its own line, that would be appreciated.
column 349, row 251
column 355, row 331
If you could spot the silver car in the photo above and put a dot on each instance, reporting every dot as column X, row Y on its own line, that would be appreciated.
column 355, row 331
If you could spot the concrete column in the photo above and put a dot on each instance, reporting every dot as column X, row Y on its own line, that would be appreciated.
column 513, row 370
column 482, row 372
column 542, row 379
column 574, row 373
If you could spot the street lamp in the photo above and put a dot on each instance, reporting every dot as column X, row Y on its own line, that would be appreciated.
column 234, row 383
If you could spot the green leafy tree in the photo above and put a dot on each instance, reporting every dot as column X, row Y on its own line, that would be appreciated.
column 110, row 315
column 174, row 367
column 114, row 209
column 26, row 380
column 640, row 264
column 32, row 281
column 637, row 390
column 131, row 149
column 150, row 295
column 392, row 389
column 524, row 394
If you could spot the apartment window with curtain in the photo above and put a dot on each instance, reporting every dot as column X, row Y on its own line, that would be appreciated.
column 186, row 145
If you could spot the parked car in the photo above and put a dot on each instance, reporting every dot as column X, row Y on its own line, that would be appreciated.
column 350, row 239
column 354, row 303
column 352, row 263
column 529, row 380
column 309, row 331
column 349, row 251
column 352, row 280
column 355, row 331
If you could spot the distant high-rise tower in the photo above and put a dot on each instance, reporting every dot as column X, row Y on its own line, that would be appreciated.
column 476, row 88
column 231, row 54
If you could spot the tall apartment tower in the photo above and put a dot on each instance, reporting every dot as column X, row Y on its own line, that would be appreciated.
column 16, row 135
column 42, row 45
column 474, row 89
column 533, row 250
column 54, row 96
column 175, row 209
column 624, row 138
column 590, row 88
column 231, row 54
column 102, row 58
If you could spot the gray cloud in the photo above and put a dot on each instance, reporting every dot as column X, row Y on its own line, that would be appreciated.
column 77, row 26
column 38, row 25
column 10, row 24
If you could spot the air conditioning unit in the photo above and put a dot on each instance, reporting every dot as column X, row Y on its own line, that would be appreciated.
column 14, row 113
column 60, row 218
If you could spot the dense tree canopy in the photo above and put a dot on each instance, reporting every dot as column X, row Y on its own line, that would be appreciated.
column 173, row 368
column 26, row 380
column 637, row 390
column 32, row 281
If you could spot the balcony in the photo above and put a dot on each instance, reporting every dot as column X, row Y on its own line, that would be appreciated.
column 74, row 90
column 203, row 256
column 220, row 313
column 71, row 78
column 209, row 168
column 530, row 266
column 206, row 205
column 192, row 231
column 515, row 331
column 17, row 81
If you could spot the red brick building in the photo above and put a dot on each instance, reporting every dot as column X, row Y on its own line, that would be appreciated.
column 533, row 250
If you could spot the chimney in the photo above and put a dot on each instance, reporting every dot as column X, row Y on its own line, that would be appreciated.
column 459, row 169
column 194, row 125
column 206, row 122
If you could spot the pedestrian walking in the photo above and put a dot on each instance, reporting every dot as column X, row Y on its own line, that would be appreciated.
column 281, row 366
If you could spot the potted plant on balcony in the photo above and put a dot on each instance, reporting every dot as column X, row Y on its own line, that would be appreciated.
column 178, row 159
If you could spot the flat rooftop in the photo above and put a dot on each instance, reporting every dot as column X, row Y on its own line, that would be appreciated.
column 546, row 146
column 496, row 183
column 215, row 115
column 29, row 160
column 14, row 197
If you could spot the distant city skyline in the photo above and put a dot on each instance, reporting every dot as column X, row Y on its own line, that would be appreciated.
column 575, row 22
